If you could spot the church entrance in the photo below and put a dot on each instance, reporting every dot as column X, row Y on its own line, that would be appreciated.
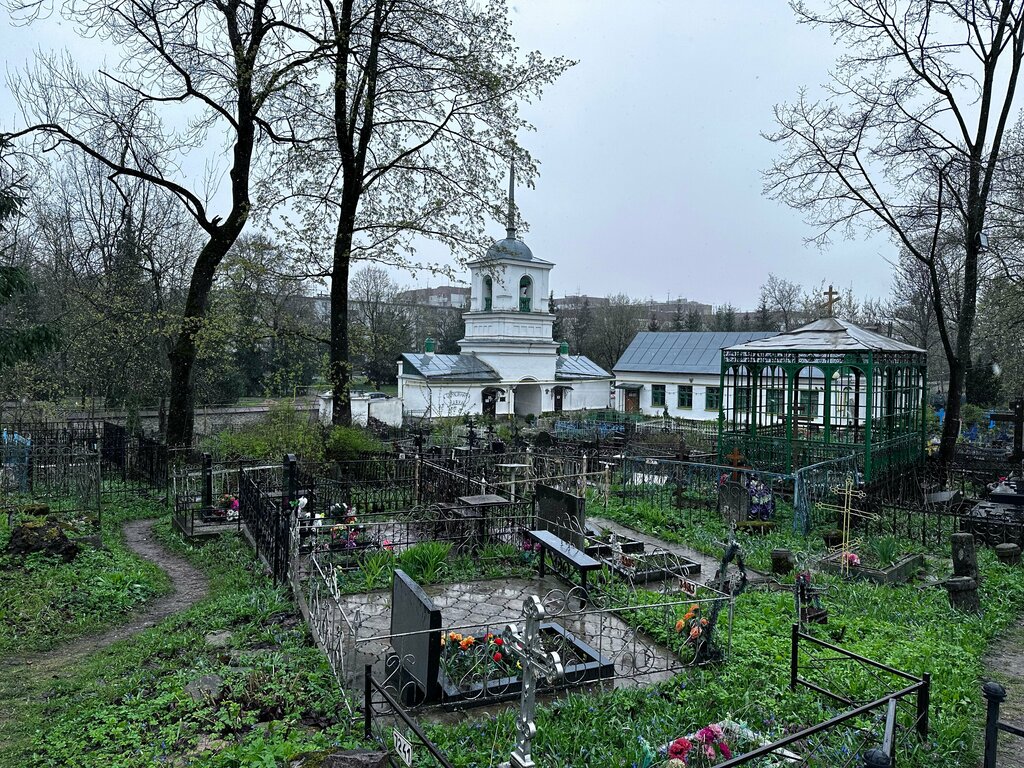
column 489, row 402
column 528, row 401
column 558, row 399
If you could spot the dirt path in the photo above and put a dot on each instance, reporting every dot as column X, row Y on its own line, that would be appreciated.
column 1005, row 663
column 189, row 585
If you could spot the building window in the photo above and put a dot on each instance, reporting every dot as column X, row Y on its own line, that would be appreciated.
column 525, row 294
column 488, row 293
column 808, row 408
column 773, row 399
column 657, row 395
column 712, row 398
column 685, row 399
column 742, row 404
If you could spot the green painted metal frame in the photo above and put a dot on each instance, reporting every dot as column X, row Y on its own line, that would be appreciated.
column 882, row 450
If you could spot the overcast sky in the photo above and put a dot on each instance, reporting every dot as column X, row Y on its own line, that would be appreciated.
column 650, row 147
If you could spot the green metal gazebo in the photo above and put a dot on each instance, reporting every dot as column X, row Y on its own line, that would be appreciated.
column 823, row 391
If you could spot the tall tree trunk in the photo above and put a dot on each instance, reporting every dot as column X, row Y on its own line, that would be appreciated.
column 181, row 415
column 340, row 367
column 959, row 362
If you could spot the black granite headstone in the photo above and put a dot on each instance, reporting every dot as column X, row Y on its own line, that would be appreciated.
column 563, row 514
column 416, row 638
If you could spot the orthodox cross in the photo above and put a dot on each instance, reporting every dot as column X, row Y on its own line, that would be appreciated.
column 734, row 460
column 537, row 663
column 830, row 300
column 847, row 512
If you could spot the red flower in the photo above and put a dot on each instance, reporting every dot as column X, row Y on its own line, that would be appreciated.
column 498, row 641
column 679, row 748
column 497, row 655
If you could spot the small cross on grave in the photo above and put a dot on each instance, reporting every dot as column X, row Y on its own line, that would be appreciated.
column 830, row 300
column 734, row 460
column 847, row 512
column 537, row 663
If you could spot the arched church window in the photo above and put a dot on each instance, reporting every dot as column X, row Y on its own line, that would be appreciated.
column 525, row 294
column 488, row 293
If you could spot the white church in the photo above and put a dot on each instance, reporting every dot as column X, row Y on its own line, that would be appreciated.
column 509, row 362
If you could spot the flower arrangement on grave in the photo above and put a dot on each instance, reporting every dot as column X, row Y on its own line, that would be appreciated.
column 348, row 533
column 762, row 501
column 851, row 559
column 694, row 626
column 466, row 659
column 229, row 506
column 531, row 550
column 703, row 748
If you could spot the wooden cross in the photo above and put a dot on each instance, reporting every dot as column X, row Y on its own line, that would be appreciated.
column 830, row 300
column 734, row 459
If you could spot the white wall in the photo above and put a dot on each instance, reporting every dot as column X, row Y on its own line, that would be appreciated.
column 672, row 382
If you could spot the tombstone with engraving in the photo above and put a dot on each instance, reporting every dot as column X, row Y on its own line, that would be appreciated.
column 733, row 502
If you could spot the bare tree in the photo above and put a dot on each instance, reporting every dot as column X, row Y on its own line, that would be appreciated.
column 224, row 61
column 909, row 140
column 412, row 132
column 781, row 299
column 615, row 325
column 380, row 323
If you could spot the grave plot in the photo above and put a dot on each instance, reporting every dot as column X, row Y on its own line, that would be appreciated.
column 443, row 643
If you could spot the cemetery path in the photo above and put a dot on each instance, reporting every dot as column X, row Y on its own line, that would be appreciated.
column 1005, row 664
column 708, row 565
column 188, row 587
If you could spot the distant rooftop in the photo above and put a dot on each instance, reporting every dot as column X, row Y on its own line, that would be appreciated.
column 681, row 351
column 579, row 367
column 454, row 367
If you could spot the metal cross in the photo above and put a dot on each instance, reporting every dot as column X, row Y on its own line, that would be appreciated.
column 830, row 299
column 847, row 511
column 537, row 663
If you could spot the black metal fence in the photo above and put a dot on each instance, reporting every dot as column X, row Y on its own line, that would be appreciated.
column 886, row 711
column 995, row 695
column 382, row 710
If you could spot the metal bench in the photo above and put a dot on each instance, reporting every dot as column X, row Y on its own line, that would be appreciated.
column 566, row 552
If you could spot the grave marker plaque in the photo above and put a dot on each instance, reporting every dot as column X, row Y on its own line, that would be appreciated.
column 733, row 502
column 561, row 513
column 419, row 654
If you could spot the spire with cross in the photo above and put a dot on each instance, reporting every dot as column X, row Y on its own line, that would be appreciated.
column 510, row 224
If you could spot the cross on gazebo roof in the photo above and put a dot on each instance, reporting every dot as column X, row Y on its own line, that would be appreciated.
column 830, row 300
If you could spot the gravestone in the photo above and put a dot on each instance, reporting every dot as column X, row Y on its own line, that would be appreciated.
column 417, row 623
column 963, row 594
column 965, row 559
column 563, row 514
column 733, row 502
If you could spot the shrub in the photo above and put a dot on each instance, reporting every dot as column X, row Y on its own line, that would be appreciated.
column 349, row 443
column 283, row 430
column 425, row 562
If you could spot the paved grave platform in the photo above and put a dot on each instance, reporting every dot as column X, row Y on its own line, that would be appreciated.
column 708, row 565
column 479, row 607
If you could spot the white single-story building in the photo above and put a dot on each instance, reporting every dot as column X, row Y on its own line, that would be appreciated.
column 677, row 372
column 509, row 362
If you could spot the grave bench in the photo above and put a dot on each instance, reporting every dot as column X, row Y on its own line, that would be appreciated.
column 566, row 552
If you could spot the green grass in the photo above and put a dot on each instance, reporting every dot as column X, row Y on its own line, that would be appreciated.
column 126, row 707
column 44, row 601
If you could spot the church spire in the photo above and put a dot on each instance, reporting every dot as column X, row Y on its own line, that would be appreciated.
column 510, row 224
